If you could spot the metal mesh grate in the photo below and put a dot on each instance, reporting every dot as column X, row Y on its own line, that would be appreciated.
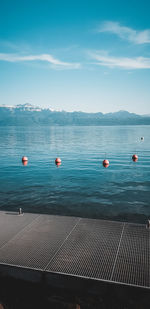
column 90, row 250
column 95, row 249
column 132, row 265
column 12, row 223
column 35, row 245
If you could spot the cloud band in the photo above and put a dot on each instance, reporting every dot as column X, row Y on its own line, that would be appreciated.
column 120, row 62
column 126, row 33
column 44, row 57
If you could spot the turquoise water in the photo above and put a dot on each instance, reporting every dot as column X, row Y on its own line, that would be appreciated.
column 81, row 186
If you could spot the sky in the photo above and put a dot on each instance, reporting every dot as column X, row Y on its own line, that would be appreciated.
column 87, row 55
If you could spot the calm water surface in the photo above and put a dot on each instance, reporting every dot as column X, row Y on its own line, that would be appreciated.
column 81, row 186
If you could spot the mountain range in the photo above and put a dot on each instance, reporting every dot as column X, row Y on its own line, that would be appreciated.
column 27, row 114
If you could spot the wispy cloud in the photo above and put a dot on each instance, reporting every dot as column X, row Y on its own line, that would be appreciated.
column 44, row 57
column 126, row 33
column 103, row 59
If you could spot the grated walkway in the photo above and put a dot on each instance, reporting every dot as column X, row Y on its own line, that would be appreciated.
column 87, row 248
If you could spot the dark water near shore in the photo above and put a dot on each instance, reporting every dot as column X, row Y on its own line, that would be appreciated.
column 81, row 186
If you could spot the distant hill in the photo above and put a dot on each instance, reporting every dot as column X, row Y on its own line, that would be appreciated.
column 27, row 114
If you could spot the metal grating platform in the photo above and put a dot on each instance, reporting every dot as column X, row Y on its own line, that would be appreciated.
column 132, row 265
column 96, row 249
column 35, row 245
column 90, row 250
column 11, row 224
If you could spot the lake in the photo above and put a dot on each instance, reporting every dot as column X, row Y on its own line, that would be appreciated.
column 80, row 186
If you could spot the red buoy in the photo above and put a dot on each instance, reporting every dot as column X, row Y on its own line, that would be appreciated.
column 24, row 159
column 58, row 162
column 24, row 163
column 135, row 158
column 106, row 163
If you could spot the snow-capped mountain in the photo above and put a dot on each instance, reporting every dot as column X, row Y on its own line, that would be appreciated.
column 28, row 114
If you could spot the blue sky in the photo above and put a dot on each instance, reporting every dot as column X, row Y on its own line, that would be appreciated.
column 76, row 55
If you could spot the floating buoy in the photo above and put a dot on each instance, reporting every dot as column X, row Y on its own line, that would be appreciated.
column 24, row 163
column 106, row 163
column 24, row 160
column 58, row 162
column 142, row 138
column 135, row 158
